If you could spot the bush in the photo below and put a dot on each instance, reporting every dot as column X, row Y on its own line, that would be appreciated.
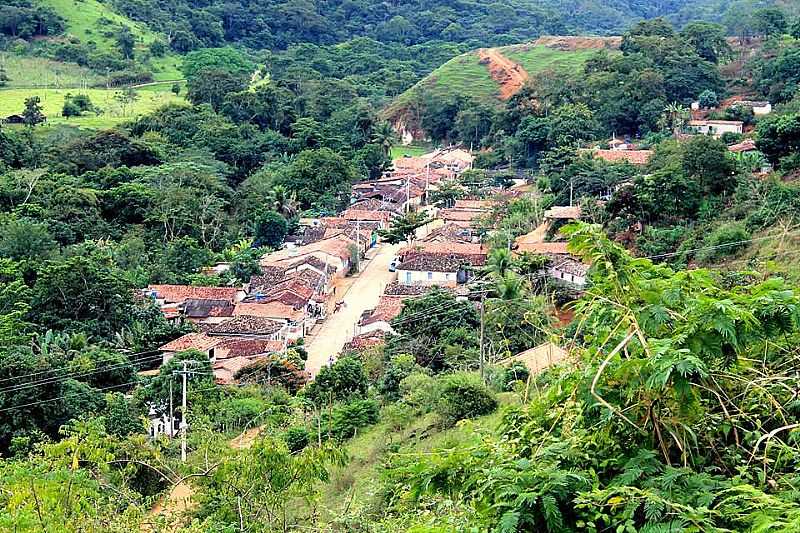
column 724, row 241
column 344, row 380
column 236, row 413
column 420, row 391
column 348, row 418
column 70, row 109
column 461, row 396
column 297, row 438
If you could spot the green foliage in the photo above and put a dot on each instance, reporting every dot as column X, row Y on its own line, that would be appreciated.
column 463, row 396
column 347, row 418
column 724, row 241
column 271, row 229
column 297, row 438
column 404, row 227
column 342, row 381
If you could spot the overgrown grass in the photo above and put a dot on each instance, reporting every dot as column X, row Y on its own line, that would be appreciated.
column 412, row 150
column 39, row 72
column 12, row 101
column 536, row 59
column 353, row 488
column 84, row 21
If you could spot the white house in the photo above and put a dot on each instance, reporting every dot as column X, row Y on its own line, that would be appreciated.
column 568, row 270
column 716, row 127
column 759, row 107
column 431, row 269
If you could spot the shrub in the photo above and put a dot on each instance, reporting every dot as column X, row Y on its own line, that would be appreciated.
column 342, row 381
column 296, row 438
column 461, row 396
column 236, row 413
column 724, row 241
column 421, row 391
column 348, row 418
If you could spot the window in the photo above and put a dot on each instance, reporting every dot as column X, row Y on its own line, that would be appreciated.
column 430, row 276
column 408, row 277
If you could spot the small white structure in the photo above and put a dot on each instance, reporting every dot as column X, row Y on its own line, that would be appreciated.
column 759, row 108
column 716, row 127
column 568, row 270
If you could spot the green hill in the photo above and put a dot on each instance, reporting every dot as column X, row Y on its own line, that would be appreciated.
column 474, row 76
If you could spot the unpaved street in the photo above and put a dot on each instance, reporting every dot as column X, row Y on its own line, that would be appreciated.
column 363, row 294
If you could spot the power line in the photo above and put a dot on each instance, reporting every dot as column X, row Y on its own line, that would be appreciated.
column 52, row 370
column 65, row 377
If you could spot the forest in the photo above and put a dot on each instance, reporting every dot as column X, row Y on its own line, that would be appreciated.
column 675, row 405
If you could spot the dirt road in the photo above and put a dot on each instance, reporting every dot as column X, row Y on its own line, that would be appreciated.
column 363, row 294
column 511, row 76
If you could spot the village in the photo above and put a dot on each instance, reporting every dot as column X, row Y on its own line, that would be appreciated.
column 335, row 286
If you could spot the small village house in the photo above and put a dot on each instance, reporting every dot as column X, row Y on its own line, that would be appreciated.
column 716, row 127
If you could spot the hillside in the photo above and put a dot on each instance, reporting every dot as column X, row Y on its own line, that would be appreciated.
column 496, row 74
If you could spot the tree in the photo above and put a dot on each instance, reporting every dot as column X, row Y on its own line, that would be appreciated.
column 709, row 161
column 212, row 86
column 176, row 89
column 125, row 42
column 770, row 21
column 126, row 98
column 674, row 118
column 284, row 202
column 385, row 137
column 709, row 40
column 779, row 136
column 4, row 79
column 708, row 99
column 23, row 238
column 33, row 115
column 404, row 227
column 225, row 59
column 84, row 293
column 318, row 177
column 271, row 229
column 70, row 109
column 342, row 381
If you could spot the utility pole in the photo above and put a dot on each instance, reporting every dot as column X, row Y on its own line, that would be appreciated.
column 171, row 412
column 184, row 425
column 483, row 321
column 358, row 246
column 408, row 194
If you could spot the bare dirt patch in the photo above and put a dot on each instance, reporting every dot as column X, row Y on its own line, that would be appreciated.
column 509, row 75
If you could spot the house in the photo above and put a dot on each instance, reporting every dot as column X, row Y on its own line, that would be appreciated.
column 747, row 145
column 450, row 232
column 543, row 248
column 569, row 270
column 378, row 319
column 716, row 127
column 205, row 311
column 297, row 320
column 461, row 217
column 191, row 341
column 178, row 294
column 759, row 107
column 571, row 212
column 483, row 205
column 248, row 326
column 618, row 155
column 432, row 269
column 334, row 252
column 14, row 119
column 539, row 358
column 473, row 254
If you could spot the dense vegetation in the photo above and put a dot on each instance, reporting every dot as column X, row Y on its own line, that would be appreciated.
column 677, row 409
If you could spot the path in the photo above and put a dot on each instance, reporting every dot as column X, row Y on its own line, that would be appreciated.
column 363, row 294
column 510, row 75
column 179, row 499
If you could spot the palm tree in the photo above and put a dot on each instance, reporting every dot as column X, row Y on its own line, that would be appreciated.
column 675, row 117
column 283, row 201
column 384, row 136
column 510, row 286
column 499, row 261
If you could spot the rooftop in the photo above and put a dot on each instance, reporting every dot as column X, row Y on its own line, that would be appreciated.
column 465, row 215
column 247, row 325
column 748, row 145
column 388, row 308
column 559, row 248
column 564, row 212
column 426, row 262
column 634, row 157
column 190, row 341
column 273, row 310
column 180, row 293
column 473, row 204
column 200, row 308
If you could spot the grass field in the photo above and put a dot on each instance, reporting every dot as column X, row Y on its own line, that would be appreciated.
column 412, row 150
column 12, row 101
column 536, row 59
column 86, row 20
column 39, row 72
column 465, row 76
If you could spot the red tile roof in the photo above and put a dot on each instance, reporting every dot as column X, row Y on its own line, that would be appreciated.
column 365, row 340
column 180, row 293
column 464, row 215
column 635, row 157
column 473, row 204
column 274, row 310
column 245, row 347
column 360, row 214
column 748, row 145
column 190, row 341
column 564, row 212
column 247, row 325
column 543, row 247
column 388, row 308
